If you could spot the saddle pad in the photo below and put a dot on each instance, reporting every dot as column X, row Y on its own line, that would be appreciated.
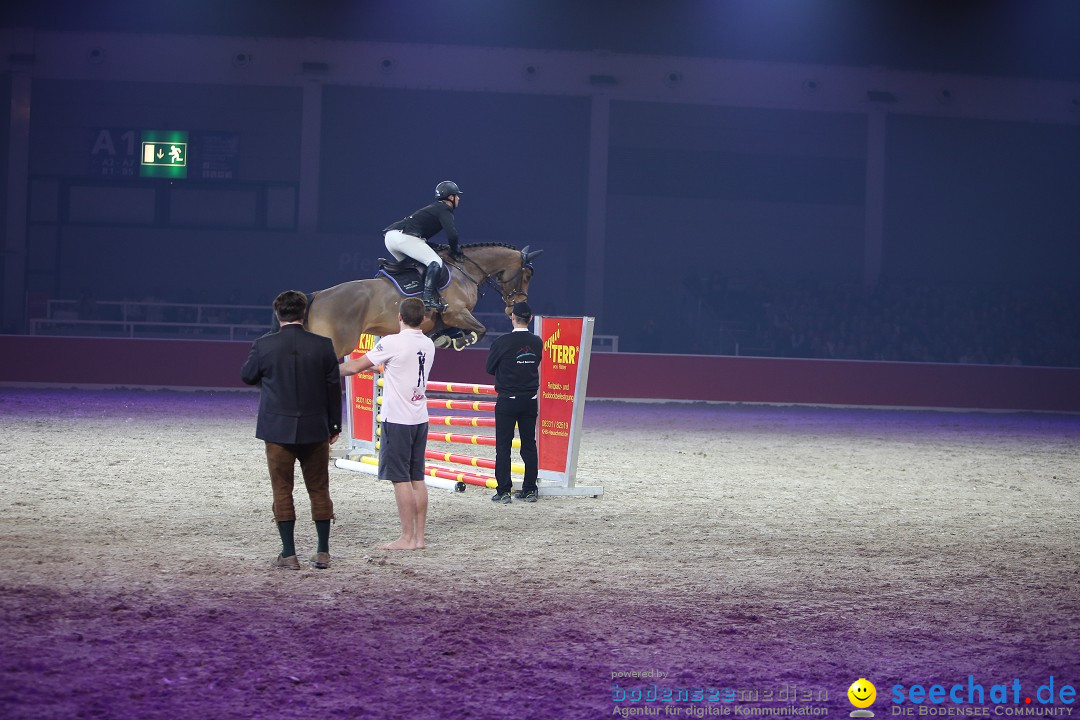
column 408, row 282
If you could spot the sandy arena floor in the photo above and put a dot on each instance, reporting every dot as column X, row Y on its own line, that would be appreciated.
column 740, row 550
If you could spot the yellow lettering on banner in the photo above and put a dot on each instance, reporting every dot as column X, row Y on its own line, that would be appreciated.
column 562, row 354
column 553, row 339
column 365, row 343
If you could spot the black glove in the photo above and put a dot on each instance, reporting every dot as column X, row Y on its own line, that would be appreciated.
column 455, row 252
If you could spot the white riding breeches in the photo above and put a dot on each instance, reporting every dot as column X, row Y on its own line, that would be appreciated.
column 401, row 246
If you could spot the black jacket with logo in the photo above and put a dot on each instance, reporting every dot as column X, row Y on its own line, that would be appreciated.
column 514, row 360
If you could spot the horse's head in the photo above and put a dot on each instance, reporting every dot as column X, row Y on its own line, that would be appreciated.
column 514, row 280
column 506, row 268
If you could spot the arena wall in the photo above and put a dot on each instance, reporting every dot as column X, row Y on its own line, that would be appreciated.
column 190, row 364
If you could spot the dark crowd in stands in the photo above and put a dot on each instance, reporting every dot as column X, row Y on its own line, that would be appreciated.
column 897, row 321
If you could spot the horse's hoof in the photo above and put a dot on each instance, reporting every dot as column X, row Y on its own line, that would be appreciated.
column 460, row 343
column 441, row 342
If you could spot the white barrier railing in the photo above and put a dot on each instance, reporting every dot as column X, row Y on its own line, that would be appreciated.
column 154, row 311
column 127, row 318
column 151, row 319
column 145, row 329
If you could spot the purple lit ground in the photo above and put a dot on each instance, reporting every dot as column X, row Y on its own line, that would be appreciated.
column 751, row 548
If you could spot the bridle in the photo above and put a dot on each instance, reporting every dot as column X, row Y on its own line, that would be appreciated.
column 510, row 297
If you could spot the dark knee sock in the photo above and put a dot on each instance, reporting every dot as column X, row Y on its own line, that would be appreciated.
column 285, row 529
column 322, row 529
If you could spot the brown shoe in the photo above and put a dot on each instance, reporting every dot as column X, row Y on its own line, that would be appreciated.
column 320, row 560
column 286, row 563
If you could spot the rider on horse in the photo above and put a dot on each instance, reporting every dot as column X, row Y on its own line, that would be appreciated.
column 408, row 237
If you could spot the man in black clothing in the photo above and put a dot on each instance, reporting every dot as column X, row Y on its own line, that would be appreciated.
column 514, row 360
column 408, row 237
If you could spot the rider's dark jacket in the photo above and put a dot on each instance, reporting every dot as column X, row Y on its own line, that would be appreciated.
column 428, row 221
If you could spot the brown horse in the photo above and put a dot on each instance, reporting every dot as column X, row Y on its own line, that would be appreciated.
column 344, row 311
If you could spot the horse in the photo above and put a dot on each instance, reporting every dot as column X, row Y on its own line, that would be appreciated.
column 344, row 312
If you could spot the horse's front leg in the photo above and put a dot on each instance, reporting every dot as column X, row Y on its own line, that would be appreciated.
column 472, row 329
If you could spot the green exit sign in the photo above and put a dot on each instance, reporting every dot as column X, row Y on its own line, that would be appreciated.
column 164, row 154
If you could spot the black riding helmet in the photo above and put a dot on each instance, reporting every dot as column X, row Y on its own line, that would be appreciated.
column 446, row 188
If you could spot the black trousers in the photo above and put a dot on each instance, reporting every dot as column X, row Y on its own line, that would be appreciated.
column 511, row 412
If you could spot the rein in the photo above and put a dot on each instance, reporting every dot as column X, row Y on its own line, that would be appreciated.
column 489, row 279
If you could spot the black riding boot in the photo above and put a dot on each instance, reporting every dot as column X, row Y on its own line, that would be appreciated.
column 431, row 285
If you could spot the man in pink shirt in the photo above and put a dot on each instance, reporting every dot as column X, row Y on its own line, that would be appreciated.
column 406, row 358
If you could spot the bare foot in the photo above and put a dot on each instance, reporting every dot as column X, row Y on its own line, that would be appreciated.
column 399, row 544
column 419, row 545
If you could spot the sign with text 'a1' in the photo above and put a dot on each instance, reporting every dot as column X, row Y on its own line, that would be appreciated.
column 126, row 153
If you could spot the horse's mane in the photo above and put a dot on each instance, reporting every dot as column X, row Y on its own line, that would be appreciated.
column 446, row 248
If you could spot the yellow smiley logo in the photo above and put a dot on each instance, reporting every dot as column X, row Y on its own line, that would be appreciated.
column 862, row 693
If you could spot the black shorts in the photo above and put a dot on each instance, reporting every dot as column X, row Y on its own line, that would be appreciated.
column 401, row 452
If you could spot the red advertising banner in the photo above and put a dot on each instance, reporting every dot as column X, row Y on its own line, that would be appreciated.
column 361, row 396
column 558, row 385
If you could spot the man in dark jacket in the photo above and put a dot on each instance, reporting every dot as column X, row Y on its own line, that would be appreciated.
column 514, row 360
column 299, row 418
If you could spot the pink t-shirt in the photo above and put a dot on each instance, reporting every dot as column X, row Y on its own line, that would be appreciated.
column 406, row 358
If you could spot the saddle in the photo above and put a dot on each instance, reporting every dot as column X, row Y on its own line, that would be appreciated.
column 408, row 276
